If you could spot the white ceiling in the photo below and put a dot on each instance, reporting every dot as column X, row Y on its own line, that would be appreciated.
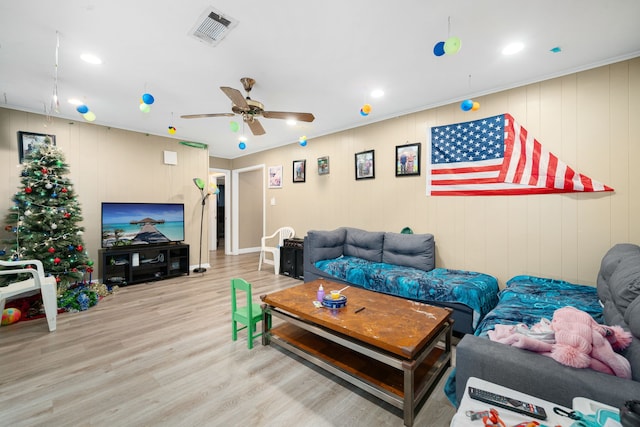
column 322, row 57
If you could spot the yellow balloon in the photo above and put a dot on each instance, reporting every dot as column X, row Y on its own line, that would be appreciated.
column 452, row 45
column 89, row 116
column 366, row 108
column 145, row 108
column 476, row 106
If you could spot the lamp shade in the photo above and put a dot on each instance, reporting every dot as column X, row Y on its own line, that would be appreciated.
column 199, row 183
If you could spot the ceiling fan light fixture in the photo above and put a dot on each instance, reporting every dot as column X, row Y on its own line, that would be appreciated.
column 213, row 26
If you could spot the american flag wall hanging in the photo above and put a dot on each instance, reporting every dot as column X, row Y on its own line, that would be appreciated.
column 496, row 156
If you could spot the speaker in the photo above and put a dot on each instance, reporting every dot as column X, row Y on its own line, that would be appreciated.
column 291, row 261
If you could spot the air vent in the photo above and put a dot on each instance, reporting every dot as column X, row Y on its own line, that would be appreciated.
column 212, row 27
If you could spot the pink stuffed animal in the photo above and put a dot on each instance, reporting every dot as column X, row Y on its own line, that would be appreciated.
column 581, row 342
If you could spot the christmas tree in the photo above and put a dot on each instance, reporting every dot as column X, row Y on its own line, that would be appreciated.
column 44, row 220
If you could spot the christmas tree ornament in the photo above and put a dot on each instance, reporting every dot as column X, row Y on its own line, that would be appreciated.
column 52, row 250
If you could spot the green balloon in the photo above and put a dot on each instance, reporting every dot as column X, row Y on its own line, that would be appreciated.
column 234, row 126
column 452, row 45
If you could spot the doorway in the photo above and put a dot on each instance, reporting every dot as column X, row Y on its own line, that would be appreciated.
column 219, row 211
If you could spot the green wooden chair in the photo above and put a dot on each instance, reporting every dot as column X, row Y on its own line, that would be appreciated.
column 248, row 315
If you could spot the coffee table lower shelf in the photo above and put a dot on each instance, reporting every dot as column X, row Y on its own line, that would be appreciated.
column 400, row 382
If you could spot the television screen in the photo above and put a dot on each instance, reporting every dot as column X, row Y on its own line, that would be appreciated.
column 125, row 224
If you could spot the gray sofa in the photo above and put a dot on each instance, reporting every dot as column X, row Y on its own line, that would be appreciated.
column 618, row 288
column 398, row 264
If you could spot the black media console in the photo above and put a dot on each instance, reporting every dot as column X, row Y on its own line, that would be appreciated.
column 126, row 265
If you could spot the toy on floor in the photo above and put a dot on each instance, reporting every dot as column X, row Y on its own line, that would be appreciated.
column 10, row 315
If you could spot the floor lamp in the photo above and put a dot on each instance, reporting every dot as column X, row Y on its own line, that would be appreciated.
column 200, row 184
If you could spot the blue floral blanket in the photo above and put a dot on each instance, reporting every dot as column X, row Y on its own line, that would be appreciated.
column 527, row 299
column 476, row 290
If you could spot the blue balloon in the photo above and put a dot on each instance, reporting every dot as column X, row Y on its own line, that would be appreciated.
column 148, row 99
column 242, row 145
column 466, row 105
column 303, row 143
column 82, row 109
column 438, row 49
column 362, row 113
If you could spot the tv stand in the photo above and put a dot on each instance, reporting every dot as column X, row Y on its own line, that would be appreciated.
column 126, row 265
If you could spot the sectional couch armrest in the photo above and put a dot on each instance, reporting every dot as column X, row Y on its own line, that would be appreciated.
column 537, row 375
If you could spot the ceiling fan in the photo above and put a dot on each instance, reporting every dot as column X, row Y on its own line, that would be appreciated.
column 250, row 109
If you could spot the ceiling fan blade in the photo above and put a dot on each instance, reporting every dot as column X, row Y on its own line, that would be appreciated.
column 200, row 116
column 256, row 127
column 300, row 117
column 235, row 96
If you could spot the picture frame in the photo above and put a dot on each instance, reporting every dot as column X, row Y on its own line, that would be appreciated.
column 28, row 141
column 408, row 159
column 365, row 165
column 323, row 165
column 299, row 170
column 275, row 176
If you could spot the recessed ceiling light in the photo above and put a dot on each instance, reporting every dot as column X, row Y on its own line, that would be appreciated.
column 377, row 93
column 512, row 48
column 91, row 59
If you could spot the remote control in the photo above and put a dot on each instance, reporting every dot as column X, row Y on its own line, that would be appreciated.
column 508, row 403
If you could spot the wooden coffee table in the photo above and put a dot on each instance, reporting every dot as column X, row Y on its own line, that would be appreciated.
column 390, row 347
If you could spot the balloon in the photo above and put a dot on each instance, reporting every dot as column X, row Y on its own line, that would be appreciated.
column 90, row 116
column 303, row 141
column 438, row 49
column 145, row 108
column 172, row 130
column 148, row 99
column 242, row 146
column 362, row 113
column 234, row 126
column 466, row 105
column 82, row 109
column 476, row 106
column 366, row 108
column 452, row 45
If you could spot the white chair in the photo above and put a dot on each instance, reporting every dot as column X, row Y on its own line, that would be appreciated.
column 281, row 233
column 46, row 285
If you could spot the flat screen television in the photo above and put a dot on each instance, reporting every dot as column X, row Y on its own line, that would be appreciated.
column 126, row 224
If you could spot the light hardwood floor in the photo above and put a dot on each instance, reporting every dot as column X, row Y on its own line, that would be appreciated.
column 161, row 354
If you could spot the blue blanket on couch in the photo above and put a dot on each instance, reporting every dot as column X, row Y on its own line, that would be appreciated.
column 527, row 299
column 476, row 290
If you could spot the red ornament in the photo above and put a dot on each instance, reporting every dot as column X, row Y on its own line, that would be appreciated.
column 56, row 260
column 28, row 190
column 67, row 215
column 75, row 270
column 7, row 228
column 79, row 247
column 58, row 279
column 64, row 190
column 43, row 170
column 52, row 250
column 89, row 270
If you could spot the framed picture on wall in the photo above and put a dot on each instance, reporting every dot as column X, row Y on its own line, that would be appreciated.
column 365, row 165
column 28, row 141
column 299, row 169
column 275, row 176
column 323, row 165
column 408, row 159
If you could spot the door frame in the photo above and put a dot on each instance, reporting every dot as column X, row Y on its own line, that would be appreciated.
column 235, row 208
